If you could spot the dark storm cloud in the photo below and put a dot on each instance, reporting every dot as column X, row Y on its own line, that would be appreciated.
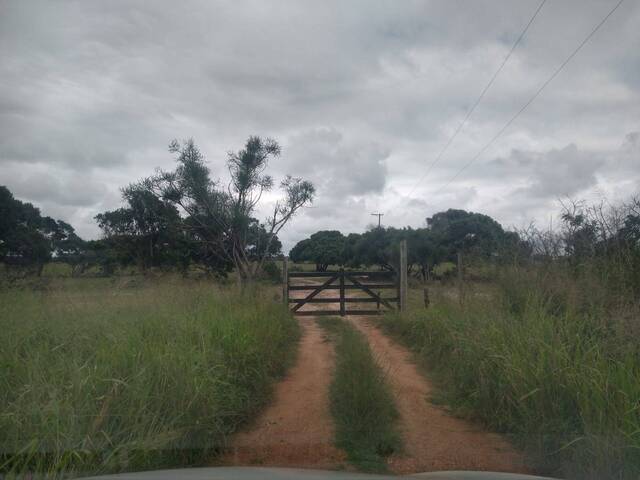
column 361, row 95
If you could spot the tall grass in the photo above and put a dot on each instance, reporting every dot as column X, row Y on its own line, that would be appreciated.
column 361, row 401
column 102, row 376
column 546, row 359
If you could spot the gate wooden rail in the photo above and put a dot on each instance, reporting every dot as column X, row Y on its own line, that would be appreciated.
column 370, row 283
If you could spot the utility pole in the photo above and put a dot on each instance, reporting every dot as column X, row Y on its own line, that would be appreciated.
column 379, row 215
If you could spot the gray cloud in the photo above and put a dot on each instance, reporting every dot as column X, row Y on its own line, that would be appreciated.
column 555, row 173
column 362, row 96
column 68, row 191
column 337, row 167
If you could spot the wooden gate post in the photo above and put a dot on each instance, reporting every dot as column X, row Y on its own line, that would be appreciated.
column 285, row 281
column 403, row 275
column 342, row 295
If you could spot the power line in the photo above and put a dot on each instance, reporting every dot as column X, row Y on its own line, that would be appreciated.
column 480, row 97
column 533, row 97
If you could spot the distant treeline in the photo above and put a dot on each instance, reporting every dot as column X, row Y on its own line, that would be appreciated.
column 171, row 219
column 445, row 235
column 176, row 219
column 145, row 233
column 602, row 234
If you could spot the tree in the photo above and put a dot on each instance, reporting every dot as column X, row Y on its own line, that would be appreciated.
column 223, row 219
column 145, row 232
column 324, row 248
column 424, row 250
column 26, row 238
column 349, row 250
column 462, row 231
column 381, row 246
column 301, row 251
column 375, row 247
column 259, row 242
column 63, row 239
column 446, row 234
column 579, row 232
column 630, row 231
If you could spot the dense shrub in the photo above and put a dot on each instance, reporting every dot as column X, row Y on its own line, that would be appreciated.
column 271, row 272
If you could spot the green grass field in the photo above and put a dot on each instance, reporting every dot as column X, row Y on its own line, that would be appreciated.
column 112, row 374
column 542, row 359
column 361, row 400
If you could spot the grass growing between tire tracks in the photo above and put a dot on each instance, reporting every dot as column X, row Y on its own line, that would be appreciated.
column 361, row 400
column 129, row 375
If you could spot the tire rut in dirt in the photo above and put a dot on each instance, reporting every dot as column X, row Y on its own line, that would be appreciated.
column 433, row 439
column 296, row 430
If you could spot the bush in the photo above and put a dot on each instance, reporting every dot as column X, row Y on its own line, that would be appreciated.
column 272, row 272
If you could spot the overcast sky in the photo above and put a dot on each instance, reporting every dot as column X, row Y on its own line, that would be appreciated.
column 362, row 95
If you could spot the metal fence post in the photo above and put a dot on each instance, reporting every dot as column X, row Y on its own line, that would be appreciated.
column 403, row 275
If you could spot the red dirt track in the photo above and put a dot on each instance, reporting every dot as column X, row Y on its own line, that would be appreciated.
column 433, row 439
column 296, row 430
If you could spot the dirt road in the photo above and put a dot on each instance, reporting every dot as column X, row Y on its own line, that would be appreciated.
column 296, row 430
column 434, row 440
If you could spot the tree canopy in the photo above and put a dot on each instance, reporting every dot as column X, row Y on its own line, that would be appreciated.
column 445, row 234
column 146, row 232
column 212, row 223
column 324, row 248
column 29, row 239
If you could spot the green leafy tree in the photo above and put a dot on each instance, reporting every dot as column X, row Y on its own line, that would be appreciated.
column 260, row 243
column 223, row 218
column 26, row 238
column 462, row 231
column 65, row 244
column 324, row 248
column 145, row 232
column 424, row 251
column 375, row 247
column 349, row 250
column 301, row 251
column 446, row 234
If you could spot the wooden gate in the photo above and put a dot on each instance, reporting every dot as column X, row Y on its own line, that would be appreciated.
column 371, row 284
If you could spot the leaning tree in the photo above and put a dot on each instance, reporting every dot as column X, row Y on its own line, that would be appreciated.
column 221, row 217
